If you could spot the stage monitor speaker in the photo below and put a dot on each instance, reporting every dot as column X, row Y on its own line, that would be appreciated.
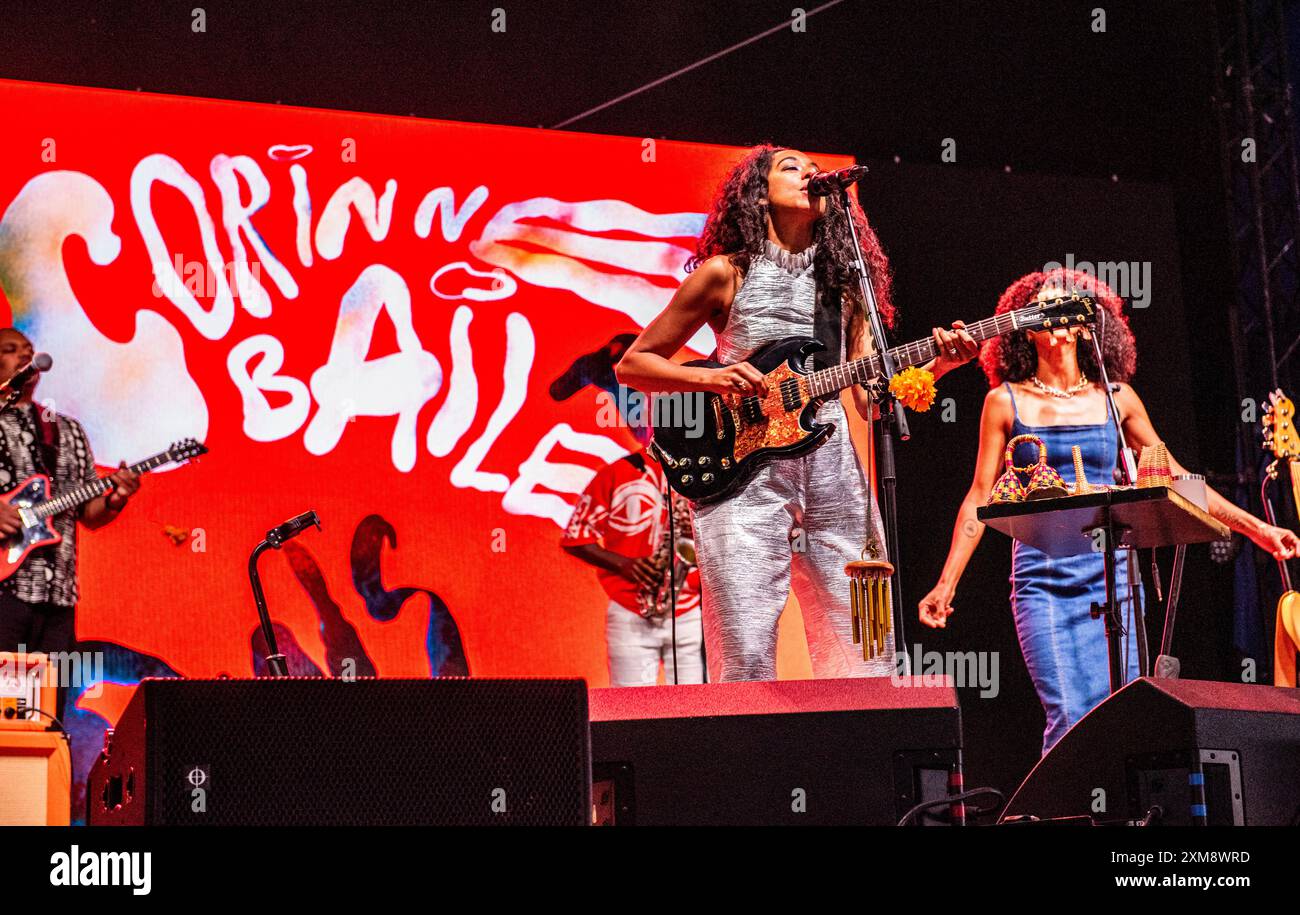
column 815, row 752
column 1203, row 752
column 316, row 751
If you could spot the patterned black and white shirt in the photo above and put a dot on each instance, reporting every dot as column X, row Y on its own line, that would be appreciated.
column 49, row 574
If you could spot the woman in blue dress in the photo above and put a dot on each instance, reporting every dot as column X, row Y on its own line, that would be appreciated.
column 1046, row 383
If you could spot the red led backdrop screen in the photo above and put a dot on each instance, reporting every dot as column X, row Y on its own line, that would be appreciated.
column 405, row 325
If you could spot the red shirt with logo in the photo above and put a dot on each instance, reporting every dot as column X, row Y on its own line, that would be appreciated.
column 623, row 509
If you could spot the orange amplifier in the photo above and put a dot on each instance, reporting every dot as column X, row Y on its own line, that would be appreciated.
column 29, row 681
column 35, row 763
column 35, row 778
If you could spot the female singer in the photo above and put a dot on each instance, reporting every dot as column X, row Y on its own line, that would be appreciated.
column 768, row 252
column 1046, row 383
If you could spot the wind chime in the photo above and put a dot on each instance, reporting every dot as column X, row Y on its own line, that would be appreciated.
column 869, row 594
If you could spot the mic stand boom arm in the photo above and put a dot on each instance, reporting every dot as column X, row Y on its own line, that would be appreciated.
column 275, row 538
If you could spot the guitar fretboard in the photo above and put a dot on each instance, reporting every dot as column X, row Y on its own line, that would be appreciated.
column 87, row 491
column 918, row 352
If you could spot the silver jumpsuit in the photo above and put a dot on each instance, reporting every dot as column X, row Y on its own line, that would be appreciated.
column 748, row 545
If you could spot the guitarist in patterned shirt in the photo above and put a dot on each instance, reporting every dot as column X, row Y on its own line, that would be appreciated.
column 37, row 601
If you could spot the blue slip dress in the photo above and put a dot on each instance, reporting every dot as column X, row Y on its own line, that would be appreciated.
column 1064, row 647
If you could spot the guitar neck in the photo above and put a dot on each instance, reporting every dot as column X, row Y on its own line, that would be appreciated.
column 87, row 491
column 918, row 352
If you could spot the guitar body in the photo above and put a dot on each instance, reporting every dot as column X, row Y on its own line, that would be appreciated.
column 1286, row 641
column 1283, row 441
column 740, row 433
column 36, row 531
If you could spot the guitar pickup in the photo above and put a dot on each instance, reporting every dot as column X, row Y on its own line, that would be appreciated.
column 790, row 398
column 720, row 430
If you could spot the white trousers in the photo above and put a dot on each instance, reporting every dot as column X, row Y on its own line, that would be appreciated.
column 798, row 520
column 636, row 645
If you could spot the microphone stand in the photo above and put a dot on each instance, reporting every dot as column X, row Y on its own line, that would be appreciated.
column 1125, row 475
column 1126, row 472
column 275, row 538
column 892, row 420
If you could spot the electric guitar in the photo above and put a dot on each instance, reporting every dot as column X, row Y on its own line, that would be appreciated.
column 740, row 433
column 36, row 507
column 1281, row 440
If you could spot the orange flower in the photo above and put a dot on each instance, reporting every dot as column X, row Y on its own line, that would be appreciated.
column 914, row 388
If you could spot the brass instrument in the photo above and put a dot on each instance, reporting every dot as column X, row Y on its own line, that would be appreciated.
column 677, row 544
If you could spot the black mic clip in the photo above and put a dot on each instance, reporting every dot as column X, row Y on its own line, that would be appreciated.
column 277, row 536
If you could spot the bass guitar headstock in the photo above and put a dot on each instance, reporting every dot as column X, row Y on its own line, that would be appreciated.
column 1278, row 422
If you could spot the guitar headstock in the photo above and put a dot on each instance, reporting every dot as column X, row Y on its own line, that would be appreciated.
column 1278, row 422
column 1063, row 309
column 186, row 450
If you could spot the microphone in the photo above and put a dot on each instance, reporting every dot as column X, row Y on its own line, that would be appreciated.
column 823, row 184
column 12, row 389
column 41, row 362
column 276, row 536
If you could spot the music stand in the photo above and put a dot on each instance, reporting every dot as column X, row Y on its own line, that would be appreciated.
column 1106, row 521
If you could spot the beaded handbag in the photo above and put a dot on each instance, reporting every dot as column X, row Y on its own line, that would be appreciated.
column 1044, row 481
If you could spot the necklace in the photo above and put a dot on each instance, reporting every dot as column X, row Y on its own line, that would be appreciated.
column 1057, row 392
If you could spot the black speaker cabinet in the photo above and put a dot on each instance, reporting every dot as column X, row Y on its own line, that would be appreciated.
column 315, row 751
column 853, row 751
column 1203, row 752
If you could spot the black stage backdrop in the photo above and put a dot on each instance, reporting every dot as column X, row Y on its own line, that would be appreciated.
column 957, row 238
column 1043, row 107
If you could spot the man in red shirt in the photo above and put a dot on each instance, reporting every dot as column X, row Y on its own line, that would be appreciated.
column 619, row 522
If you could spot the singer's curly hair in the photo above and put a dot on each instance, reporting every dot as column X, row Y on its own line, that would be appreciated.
column 737, row 227
column 1012, row 357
